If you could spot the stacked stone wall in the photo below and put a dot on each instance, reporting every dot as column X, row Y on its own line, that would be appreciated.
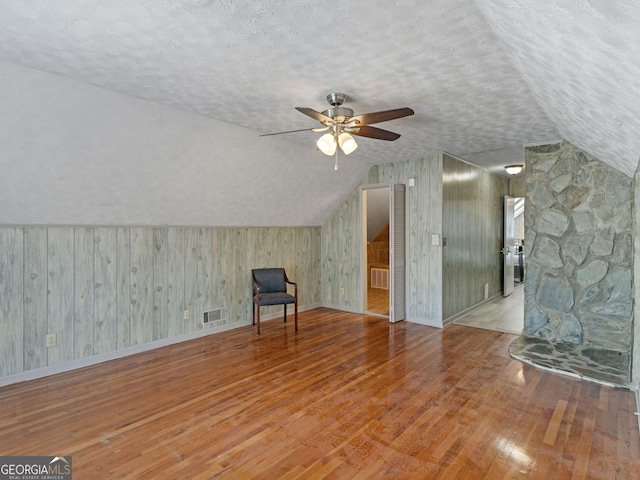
column 579, row 251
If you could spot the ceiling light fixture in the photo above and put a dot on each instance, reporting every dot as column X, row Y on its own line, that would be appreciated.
column 341, row 125
column 329, row 142
column 347, row 143
column 514, row 169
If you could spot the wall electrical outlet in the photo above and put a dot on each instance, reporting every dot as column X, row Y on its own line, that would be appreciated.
column 186, row 315
column 341, row 291
column 51, row 340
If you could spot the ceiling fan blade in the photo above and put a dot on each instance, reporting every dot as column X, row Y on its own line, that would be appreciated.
column 373, row 132
column 384, row 116
column 315, row 115
column 288, row 131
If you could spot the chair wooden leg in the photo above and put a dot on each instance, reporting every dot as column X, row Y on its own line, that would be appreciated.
column 296, row 314
column 285, row 313
column 258, row 308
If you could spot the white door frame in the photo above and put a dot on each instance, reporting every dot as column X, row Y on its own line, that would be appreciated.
column 508, row 247
column 363, row 249
column 397, row 252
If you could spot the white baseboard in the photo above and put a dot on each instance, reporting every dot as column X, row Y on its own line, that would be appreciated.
column 342, row 308
column 422, row 321
column 105, row 357
column 456, row 316
column 425, row 321
column 290, row 311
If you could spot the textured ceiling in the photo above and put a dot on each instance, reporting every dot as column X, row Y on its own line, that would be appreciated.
column 484, row 78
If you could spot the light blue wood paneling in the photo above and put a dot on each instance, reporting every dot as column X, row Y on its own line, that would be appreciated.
column 11, row 300
column 341, row 237
column 175, row 281
column 160, row 283
column 35, row 297
column 83, row 275
column 124, row 305
column 104, row 289
column 234, row 274
column 308, row 265
column 60, row 302
column 142, row 252
column 191, row 278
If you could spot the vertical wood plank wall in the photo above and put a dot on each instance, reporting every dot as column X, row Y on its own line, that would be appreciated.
column 103, row 289
column 341, row 241
column 472, row 225
column 517, row 187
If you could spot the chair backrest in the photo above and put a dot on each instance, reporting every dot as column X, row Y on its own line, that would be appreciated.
column 270, row 280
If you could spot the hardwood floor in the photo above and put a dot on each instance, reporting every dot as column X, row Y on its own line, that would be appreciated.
column 347, row 397
column 378, row 301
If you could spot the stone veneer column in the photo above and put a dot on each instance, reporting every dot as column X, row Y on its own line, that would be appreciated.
column 635, row 354
column 579, row 255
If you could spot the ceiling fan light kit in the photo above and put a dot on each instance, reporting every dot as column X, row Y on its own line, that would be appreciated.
column 342, row 125
column 327, row 144
column 347, row 143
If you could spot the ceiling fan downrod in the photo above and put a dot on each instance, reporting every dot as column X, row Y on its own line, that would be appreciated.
column 336, row 99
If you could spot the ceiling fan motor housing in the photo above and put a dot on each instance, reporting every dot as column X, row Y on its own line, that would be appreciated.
column 339, row 114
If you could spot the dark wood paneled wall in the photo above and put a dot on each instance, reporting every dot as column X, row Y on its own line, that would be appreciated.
column 472, row 225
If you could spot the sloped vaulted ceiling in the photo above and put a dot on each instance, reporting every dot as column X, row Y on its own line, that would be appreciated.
column 581, row 61
column 118, row 112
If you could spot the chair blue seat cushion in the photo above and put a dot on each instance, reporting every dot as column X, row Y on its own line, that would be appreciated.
column 276, row 298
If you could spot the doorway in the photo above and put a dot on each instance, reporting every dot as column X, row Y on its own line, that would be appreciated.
column 518, row 225
column 383, row 250
column 505, row 313
column 513, row 244
column 375, row 223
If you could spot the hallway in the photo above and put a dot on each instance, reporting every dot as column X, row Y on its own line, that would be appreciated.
column 502, row 314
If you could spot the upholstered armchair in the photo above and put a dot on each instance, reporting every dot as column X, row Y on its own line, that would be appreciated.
column 270, row 288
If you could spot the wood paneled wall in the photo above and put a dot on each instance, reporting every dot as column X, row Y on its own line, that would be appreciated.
column 342, row 237
column 102, row 289
column 378, row 247
column 472, row 225
column 517, row 187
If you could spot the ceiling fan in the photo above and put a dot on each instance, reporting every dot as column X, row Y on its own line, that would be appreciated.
column 341, row 124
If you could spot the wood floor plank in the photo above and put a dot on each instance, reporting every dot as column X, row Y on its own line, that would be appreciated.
column 347, row 396
column 555, row 423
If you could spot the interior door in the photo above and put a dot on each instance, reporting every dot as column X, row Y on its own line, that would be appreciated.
column 508, row 247
column 397, row 256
